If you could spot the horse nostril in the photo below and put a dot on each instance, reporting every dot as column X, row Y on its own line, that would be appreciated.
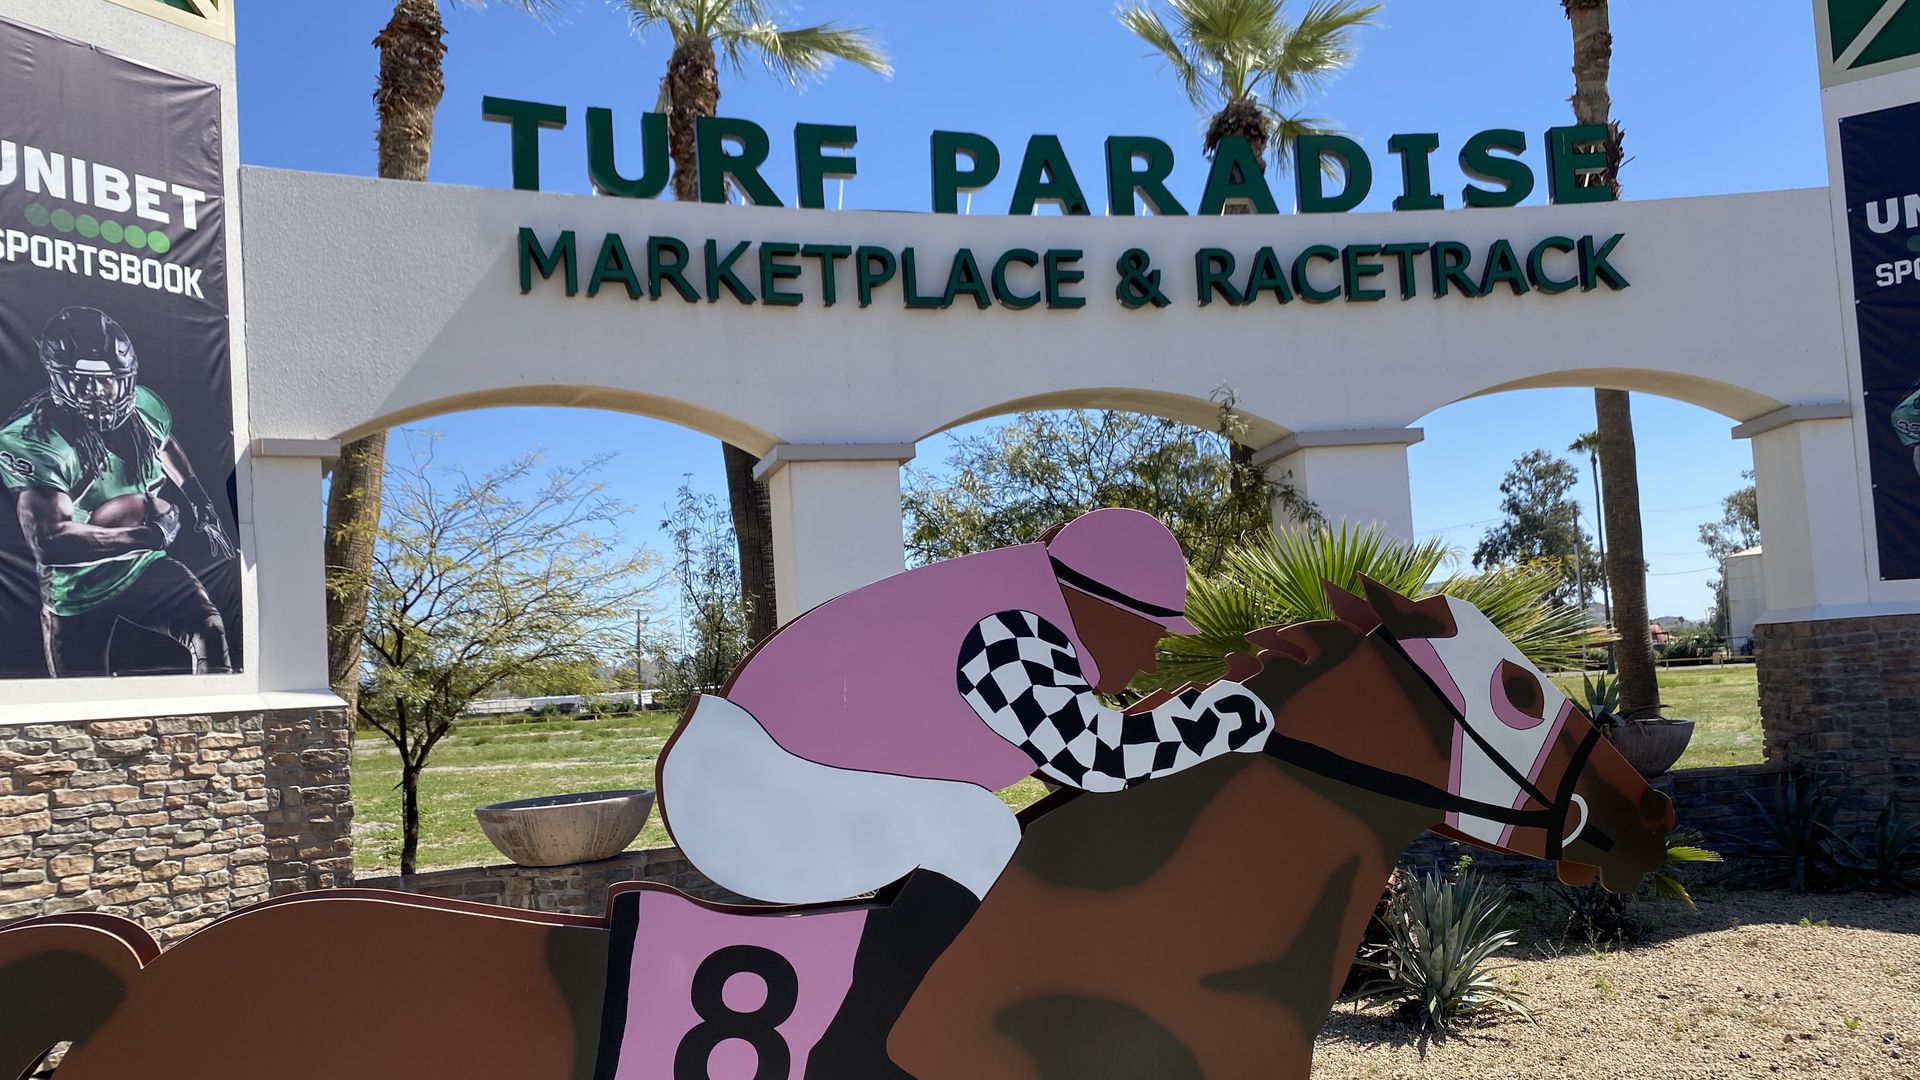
column 1657, row 809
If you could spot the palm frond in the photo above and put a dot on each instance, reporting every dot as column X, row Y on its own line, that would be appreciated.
column 1518, row 600
column 1317, row 47
column 676, row 15
column 1277, row 580
column 542, row 10
column 1145, row 23
column 1228, row 50
column 802, row 54
column 1287, row 128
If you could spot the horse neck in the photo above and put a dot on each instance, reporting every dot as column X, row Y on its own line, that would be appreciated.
column 1356, row 696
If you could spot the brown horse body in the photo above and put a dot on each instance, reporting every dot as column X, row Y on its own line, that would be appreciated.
column 1197, row 926
column 413, row 987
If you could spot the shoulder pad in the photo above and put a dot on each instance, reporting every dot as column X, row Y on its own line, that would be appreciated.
column 29, row 461
column 154, row 412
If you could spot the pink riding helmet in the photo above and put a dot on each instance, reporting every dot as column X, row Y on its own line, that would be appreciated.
column 1126, row 558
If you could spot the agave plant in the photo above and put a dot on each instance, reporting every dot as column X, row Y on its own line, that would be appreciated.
column 1891, row 861
column 1437, row 965
column 1278, row 580
column 1800, row 836
column 1602, row 695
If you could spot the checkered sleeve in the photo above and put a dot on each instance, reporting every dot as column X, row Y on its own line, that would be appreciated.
column 1021, row 675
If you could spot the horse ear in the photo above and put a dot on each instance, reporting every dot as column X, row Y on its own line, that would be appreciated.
column 1349, row 608
column 1429, row 618
column 1241, row 667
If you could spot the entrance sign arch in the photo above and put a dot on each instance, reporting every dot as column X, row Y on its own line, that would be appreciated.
column 373, row 302
column 356, row 304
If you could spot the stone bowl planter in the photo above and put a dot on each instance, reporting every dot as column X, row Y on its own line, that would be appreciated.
column 1652, row 746
column 557, row 830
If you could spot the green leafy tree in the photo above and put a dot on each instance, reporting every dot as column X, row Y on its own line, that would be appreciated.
column 706, row 33
column 1247, row 65
column 1737, row 530
column 481, row 581
column 411, row 83
column 1012, row 483
column 709, row 634
column 1277, row 580
column 1542, row 524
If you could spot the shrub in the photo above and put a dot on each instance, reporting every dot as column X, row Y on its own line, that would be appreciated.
column 1695, row 646
column 1891, row 863
column 1436, row 965
column 1799, row 834
column 1600, row 917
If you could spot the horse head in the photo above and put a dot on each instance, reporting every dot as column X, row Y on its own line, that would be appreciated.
column 1513, row 764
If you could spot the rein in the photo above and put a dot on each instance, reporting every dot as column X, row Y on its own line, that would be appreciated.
column 1550, row 816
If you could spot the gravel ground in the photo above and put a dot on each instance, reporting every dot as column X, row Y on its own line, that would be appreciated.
column 1752, row 984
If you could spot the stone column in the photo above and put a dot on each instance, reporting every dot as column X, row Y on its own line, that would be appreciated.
column 1839, row 678
column 1359, row 477
column 308, row 808
column 836, row 519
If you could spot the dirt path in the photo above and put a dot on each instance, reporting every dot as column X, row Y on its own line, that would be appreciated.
column 1739, row 988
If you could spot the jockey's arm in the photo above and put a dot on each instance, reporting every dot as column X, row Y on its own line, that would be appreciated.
column 1022, row 676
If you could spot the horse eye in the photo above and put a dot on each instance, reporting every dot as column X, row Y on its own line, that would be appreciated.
column 1522, row 689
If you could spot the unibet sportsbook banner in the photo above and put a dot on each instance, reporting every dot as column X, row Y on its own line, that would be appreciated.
column 118, row 542
column 1881, row 161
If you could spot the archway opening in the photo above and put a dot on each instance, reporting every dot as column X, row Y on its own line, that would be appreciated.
column 1505, row 475
column 591, row 707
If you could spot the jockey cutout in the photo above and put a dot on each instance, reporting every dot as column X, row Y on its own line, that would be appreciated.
column 866, row 739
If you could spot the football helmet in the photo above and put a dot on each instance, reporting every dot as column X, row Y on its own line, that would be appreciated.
column 92, row 366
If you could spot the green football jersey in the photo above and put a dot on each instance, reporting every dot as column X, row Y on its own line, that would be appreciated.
column 34, row 455
column 1906, row 419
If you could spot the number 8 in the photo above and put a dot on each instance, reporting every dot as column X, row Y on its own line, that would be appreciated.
column 720, row 1022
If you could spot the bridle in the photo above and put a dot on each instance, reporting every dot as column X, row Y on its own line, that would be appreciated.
column 1550, row 815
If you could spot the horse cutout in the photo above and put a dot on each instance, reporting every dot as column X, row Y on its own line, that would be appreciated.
column 1194, row 923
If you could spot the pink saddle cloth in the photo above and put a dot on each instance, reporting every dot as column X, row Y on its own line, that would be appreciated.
column 718, row 994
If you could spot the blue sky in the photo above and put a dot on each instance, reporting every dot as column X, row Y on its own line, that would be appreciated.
column 1716, row 96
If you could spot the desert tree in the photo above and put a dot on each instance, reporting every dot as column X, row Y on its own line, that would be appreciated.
column 482, row 581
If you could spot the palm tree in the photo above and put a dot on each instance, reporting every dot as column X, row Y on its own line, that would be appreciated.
column 1613, row 409
column 1589, row 444
column 704, row 33
column 409, row 89
column 1245, row 65
column 1278, row 580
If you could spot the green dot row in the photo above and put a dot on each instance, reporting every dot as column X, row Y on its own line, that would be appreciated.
column 137, row 237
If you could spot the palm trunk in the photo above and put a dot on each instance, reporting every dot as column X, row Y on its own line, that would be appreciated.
column 1626, row 562
column 693, row 91
column 411, row 84
column 353, row 521
column 1243, row 118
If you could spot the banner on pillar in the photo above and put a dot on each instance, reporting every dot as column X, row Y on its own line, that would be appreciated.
column 117, row 547
column 1881, row 163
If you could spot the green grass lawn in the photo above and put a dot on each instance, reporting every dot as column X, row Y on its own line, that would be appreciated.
column 490, row 761
column 1722, row 702
column 1724, row 705
column 521, row 757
